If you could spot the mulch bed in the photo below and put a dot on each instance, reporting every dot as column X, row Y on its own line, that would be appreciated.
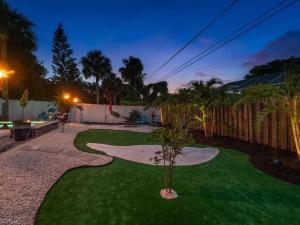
column 282, row 164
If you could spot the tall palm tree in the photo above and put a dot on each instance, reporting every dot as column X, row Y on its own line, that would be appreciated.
column 112, row 87
column 208, row 97
column 133, row 75
column 96, row 65
column 284, row 97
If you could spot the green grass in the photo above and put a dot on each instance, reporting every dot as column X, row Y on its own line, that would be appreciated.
column 226, row 190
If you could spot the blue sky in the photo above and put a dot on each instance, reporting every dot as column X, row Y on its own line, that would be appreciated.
column 154, row 29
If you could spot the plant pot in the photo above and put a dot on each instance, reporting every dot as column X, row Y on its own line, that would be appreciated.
column 21, row 131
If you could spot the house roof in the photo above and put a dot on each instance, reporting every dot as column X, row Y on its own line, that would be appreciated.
column 274, row 79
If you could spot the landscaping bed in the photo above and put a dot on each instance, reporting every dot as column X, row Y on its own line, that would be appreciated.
column 282, row 164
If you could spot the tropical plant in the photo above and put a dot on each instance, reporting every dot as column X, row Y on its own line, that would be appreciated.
column 172, row 138
column 284, row 97
column 96, row 65
column 208, row 96
column 112, row 88
column 133, row 76
column 24, row 102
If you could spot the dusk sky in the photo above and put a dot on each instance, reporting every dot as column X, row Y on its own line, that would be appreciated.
column 154, row 30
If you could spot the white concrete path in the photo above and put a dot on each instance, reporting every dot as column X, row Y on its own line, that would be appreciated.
column 144, row 153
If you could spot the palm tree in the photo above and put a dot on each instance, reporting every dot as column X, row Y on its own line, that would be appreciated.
column 208, row 96
column 112, row 87
column 284, row 97
column 96, row 65
column 132, row 74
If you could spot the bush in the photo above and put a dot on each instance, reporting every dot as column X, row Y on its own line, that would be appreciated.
column 134, row 116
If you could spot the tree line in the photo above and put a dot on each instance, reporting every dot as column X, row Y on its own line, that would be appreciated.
column 91, row 78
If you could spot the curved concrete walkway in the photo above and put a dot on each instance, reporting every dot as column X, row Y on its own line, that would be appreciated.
column 144, row 153
column 29, row 170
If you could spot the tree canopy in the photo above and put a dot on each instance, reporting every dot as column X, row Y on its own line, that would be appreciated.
column 22, row 43
column 276, row 66
column 133, row 76
column 65, row 71
column 96, row 65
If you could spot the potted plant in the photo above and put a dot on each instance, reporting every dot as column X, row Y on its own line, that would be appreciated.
column 21, row 128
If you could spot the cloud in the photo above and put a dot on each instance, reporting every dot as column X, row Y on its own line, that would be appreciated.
column 285, row 46
column 200, row 74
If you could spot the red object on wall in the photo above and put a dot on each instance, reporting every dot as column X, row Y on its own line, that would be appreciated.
column 110, row 107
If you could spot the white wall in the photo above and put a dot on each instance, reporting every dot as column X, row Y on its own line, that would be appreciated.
column 93, row 113
column 31, row 112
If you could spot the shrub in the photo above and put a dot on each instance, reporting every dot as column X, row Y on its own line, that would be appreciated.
column 134, row 116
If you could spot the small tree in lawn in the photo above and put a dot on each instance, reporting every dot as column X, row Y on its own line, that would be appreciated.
column 24, row 102
column 173, row 137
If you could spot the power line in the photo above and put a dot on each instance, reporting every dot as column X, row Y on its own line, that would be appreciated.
column 195, row 37
column 224, row 39
column 228, row 39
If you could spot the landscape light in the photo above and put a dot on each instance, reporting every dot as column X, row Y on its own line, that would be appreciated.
column 75, row 100
column 66, row 96
column 5, row 73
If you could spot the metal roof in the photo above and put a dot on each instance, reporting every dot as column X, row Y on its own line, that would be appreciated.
column 274, row 79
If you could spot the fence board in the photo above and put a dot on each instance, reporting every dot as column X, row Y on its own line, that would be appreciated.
column 241, row 123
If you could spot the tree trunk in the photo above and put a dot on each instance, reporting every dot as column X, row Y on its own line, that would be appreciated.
column 97, row 91
column 294, row 118
column 213, row 123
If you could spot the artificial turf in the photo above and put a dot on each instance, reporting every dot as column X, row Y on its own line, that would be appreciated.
column 226, row 190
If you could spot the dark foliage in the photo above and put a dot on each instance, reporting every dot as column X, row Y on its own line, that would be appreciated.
column 66, row 75
column 275, row 66
column 29, row 71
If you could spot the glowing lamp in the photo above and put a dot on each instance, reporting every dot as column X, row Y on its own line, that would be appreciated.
column 5, row 73
column 66, row 96
column 75, row 100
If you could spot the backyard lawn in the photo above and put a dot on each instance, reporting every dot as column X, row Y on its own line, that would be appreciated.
column 226, row 190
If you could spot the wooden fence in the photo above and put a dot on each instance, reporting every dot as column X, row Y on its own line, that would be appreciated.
column 241, row 123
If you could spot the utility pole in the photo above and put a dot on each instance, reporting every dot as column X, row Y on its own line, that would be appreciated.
column 3, row 61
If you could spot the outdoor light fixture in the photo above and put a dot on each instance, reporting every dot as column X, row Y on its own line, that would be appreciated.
column 5, row 73
column 66, row 96
column 75, row 100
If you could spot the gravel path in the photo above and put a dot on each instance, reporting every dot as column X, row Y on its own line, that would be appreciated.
column 144, row 153
column 29, row 170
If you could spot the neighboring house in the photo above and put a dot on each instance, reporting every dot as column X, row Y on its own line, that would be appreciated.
column 238, row 86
